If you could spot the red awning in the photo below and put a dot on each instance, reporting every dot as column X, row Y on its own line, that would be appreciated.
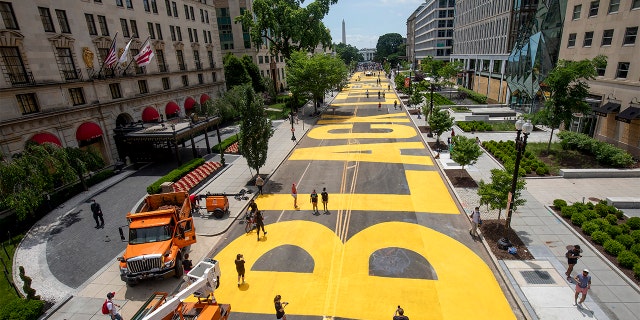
column 41, row 138
column 88, row 131
column 171, row 108
column 150, row 114
column 189, row 103
column 203, row 98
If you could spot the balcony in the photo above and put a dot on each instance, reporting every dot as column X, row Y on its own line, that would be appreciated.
column 72, row 75
column 21, row 79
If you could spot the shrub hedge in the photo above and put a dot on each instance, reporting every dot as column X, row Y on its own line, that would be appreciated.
column 590, row 227
column 225, row 143
column 626, row 239
column 600, row 237
column 21, row 309
column 505, row 151
column 578, row 218
column 634, row 223
column 479, row 98
column 605, row 153
column 175, row 175
column 472, row 126
column 559, row 204
column 627, row 259
column 613, row 247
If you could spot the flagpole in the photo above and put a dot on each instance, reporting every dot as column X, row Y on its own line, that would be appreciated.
column 103, row 62
column 132, row 59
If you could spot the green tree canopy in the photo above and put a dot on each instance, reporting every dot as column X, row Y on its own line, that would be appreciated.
column 431, row 67
column 234, row 71
column 313, row 75
column 566, row 87
column 255, row 129
column 387, row 45
column 348, row 53
column 440, row 122
column 465, row 151
column 495, row 193
column 254, row 73
column 285, row 26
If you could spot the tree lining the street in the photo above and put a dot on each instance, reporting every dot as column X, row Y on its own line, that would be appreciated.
column 465, row 151
column 495, row 193
column 440, row 122
column 255, row 127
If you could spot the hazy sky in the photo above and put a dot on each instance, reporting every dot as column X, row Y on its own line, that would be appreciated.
column 367, row 20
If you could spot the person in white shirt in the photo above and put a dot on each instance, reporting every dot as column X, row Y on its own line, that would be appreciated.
column 475, row 220
column 112, row 307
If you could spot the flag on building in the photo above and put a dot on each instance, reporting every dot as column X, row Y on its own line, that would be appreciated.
column 123, row 57
column 146, row 54
column 111, row 58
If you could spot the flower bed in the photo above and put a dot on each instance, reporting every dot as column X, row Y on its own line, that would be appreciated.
column 196, row 176
column 233, row 148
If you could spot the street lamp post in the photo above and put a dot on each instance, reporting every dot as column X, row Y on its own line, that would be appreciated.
column 293, row 130
column 431, row 84
column 521, row 144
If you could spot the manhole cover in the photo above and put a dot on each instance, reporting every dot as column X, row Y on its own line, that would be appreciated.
column 537, row 277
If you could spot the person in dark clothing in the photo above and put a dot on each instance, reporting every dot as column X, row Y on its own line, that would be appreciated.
column 240, row 267
column 253, row 207
column 325, row 199
column 280, row 307
column 572, row 255
column 399, row 315
column 97, row 214
column 187, row 264
column 260, row 223
column 314, row 201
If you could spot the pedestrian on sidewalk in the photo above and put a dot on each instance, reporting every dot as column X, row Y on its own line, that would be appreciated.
column 294, row 194
column 113, row 313
column 259, row 184
column 395, row 104
column 187, row 264
column 573, row 254
column 475, row 221
column 314, row 201
column 260, row 223
column 280, row 307
column 325, row 199
column 240, row 267
column 97, row 214
column 379, row 106
column 583, row 284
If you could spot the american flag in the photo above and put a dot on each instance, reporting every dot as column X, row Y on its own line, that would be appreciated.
column 144, row 57
column 111, row 58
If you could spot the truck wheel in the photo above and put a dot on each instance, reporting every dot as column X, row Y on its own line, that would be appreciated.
column 179, row 270
column 218, row 213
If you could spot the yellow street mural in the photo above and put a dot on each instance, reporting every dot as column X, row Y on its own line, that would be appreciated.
column 339, row 283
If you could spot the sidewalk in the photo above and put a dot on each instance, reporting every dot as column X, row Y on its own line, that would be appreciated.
column 540, row 284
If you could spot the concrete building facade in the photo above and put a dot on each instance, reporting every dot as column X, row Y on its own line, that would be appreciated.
column 608, row 28
column 431, row 32
column 56, row 87
column 367, row 53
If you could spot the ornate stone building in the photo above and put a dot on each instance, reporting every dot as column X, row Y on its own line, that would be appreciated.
column 55, row 86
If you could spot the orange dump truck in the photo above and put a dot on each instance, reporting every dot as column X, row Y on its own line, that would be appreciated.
column 159, row 236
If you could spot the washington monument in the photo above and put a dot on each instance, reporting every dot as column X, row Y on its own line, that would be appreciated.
column 344, row 33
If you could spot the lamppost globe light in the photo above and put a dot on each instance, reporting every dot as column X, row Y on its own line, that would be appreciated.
column 519, row 124
column 527, row 127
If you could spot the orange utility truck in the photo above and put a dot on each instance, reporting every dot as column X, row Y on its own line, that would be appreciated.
column 159, row 236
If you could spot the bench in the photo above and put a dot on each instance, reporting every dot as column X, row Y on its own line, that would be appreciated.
column 624, row 202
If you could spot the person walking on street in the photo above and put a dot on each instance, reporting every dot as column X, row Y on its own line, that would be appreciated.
column 475, row 221
column 325, row 199
column 573, row 254
column 259, row 184
column 399, row 315
column 240, row 267
column 260, row 223
column 280, row 307
column 314, row 201
column 583, row 284
column 113, row 313
column 253, row 207
column 395, row 104
column 97, row 214
column 294, row 194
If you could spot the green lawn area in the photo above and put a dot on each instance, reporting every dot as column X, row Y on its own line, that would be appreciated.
column 7, row 292
column 557, row 158
column 277, row 111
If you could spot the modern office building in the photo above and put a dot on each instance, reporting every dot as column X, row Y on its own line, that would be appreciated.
column 431, row 33
column 608, row 28
column 235, row 39
column 484, row 35
column 56, row 86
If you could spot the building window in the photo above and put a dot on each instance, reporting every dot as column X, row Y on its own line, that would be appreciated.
column 623, row 69
column 119, row 3
column 195, row 35
column 152, row 33
column 179, row 33
column 185, row 80
column 186, row 11
column 115, row 91
column 209, row 36
column 91, row 24
column 159, row 31
column 497, row 66
column 635, row 4
column 260, row 60
column 102, row 21
column 593, row 9
column 129, row 4
column 206, row 16
column 162, row 64
column 154, row 6
column 196, row 58
column 134, row 29
column 8, row 16
column 601, row 70
column 210, row 57
column 62, row 20
column 577, row 9
column 204, row 35
column 190, row 34
column 142, row 85
column 180, row 58
column 77, row 97
column 66, row 64
column 172, row 31
column 193, row 16
column 167, row 4
column 145, row 4
column 14, row 66
column 200, row 78
column 125, row 28
column 201, row 15
column 630, row 35
column 614, row 5
column 165, row 84
column 27, row 103
column 588, row 39
column 134, row 52
column 213, row 77
column 47, row 21
column 607, row 37
column 175, row 9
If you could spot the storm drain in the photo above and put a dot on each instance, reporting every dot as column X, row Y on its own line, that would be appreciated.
column 537, row 277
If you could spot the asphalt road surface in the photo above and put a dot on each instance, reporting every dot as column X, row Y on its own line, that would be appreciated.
column 393, row 234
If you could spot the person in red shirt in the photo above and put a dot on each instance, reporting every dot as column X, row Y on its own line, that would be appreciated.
column 294, row 194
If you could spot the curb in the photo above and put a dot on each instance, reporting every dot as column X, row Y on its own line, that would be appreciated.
column 55, row 308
